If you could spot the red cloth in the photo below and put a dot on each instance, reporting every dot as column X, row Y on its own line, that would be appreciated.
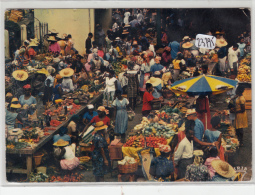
column 147, row 97
column 27, row 86
column 100, row 53
column 202, row 104
column 31, row 52
column 106, row 120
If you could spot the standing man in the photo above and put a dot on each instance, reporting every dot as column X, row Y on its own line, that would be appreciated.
column 88, row 44
column 233, row 54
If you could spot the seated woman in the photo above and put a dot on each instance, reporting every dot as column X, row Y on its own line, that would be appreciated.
column 213, row 155
column 148, row 99
column 27, row 98
column 161, row 166
column 67, row 158
column 157, row 84
column 67, row 83
column 87, row 117
column 224, row 171
column 100, row 154
column 11, row 114
column 62, row 135
column 57, row 90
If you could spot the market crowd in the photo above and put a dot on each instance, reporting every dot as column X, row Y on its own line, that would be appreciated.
column 134, row 70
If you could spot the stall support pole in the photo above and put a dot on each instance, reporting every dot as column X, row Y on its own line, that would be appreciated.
column 29, row 164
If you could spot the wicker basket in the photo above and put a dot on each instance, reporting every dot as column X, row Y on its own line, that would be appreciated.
column 38, row 158
column 128, row 168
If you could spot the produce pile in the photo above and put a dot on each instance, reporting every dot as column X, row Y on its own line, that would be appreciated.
column 39, row 177
column 244, row 70
column 158, row 130
column 139, row 141
column 74, row 177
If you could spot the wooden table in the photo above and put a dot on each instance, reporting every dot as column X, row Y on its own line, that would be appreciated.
column 28, row 152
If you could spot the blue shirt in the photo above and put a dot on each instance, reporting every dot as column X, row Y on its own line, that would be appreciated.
column 88, row 116
column 156, row 67
column 222, row 52
column 65, row 137
column 219, row 178
column 175, row 48
column 162, row 166
column 241, row 46
column 198, row 129
column 29, row 101
column 212, row 136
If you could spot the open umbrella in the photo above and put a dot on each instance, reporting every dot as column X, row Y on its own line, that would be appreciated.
column 203, row 85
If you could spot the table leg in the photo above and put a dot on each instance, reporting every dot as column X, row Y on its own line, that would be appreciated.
column 29, row 165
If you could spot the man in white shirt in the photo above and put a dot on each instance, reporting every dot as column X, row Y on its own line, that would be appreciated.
column 183, row 156
column 233, row 54
column 140, row 17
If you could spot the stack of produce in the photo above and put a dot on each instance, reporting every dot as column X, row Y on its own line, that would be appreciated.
column 158, row 130
column 244, row 73
column 74, row 177
column 153, row 141
column 135, row 141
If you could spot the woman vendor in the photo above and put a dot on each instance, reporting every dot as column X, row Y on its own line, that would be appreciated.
column 67, row 83
column 87, row 117
column 27, row 98
column 110, row 88
column 67, row 158
column 54, row 47
column 49, row 82
column 148, row 99
column 157, row 84
column 73, row 129
column 203, row 111
column 100, row 154
column 62, row 135
column 160, row 166
column 57, row 90
column 121, row 121
column 11, row 114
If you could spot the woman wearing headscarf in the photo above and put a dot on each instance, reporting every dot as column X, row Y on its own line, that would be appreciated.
column 100, row 154
column 27, row 98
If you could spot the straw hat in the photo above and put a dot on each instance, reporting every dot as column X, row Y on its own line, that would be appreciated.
column 125, row 32
column 126, row 26
column 223, row 168
column 187, row 45
column 155, row 81
column 15, row 103
column 53, row 31
column 67, row 72
column 221, row 42
column 218, row 33
column 43, row 71
column 102, row 109
column 32, row 44
column 100, row 125
column 20, row 75
column 135, row 43
column 61, row 142
column 190, row 111
column 8, row 94
column 51, row 38
column 22, row 50
column 185, row 38
column 117, row 39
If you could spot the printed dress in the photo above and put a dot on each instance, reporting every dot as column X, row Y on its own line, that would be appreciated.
column 121, row 115
column 99, row 168
column 197, row 173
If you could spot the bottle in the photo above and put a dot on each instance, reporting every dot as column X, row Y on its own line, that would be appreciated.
column 48, row 119
column 65, row 110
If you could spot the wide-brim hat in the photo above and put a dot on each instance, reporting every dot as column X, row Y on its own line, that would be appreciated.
column 43, row 71
column 20, row 75
column 67, row 72
column 135, row 43
column 125, row 32
column 9, row 95
column 218, row 33
column 100, row 126
column 221, row 42
column 15, row 103
column 190, row 111
column 223, row 168
column 50, row 69
column 53, row 31
column 187, row 45
column 51, row 38
column 185, row 38
column 155, row 81
column 61, row 142
column 126, row 26
column 32, row 44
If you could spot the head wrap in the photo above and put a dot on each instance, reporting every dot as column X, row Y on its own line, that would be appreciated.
column 90, row 106
column 102, row 109
column 27, row 86
column 164, row 148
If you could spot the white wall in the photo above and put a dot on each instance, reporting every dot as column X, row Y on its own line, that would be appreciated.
column 70, row 21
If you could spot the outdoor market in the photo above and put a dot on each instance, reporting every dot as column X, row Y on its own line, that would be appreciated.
column 136, row 100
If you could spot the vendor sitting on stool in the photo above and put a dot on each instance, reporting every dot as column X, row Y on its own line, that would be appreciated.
column 161, row 167
column 67, row 158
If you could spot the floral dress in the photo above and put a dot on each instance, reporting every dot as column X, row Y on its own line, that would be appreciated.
column 99, row 168
column 197, row 173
